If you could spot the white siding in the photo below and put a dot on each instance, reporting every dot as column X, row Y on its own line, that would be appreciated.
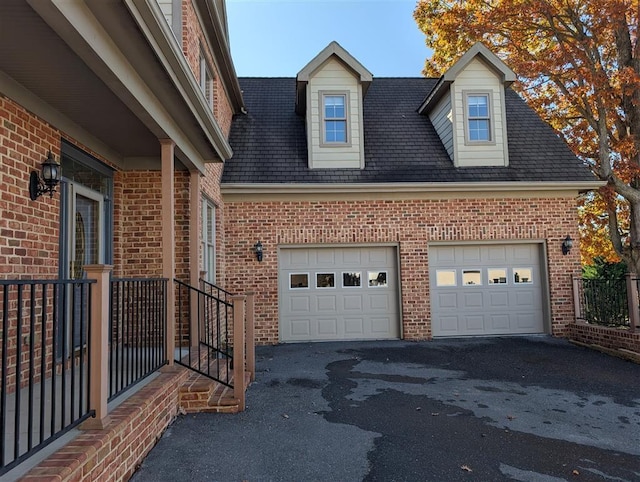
column 333, row 76
column 477, row 77
column 442, row 119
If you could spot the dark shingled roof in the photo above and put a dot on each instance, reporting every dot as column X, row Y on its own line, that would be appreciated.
column 270, row 144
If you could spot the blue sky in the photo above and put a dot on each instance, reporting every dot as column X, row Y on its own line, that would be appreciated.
column 277, row 38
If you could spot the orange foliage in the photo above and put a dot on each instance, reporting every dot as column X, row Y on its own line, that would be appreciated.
column 578, row 66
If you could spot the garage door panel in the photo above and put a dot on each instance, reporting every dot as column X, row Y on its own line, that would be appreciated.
column 499, row 322
column 380, row 302
column 328, row 327
column 331, row 306
column 354, row 326
column 447, row 300
column 471, row 254
column 497, row 253
column 381, row 325
column 299, row 304
column 474, row 323
column 488, row 289
column 498, row 299
column 326, row 303
column 300, row 327
column 472, row 300
column 352, row 302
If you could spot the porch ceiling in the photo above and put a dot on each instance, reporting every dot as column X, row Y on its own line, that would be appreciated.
column 37, row 58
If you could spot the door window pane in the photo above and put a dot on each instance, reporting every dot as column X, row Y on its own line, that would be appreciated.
column 299, row 280
column 446, row 277
column 471, row 277
column 325, row 280
column 522, row 275
column 351, row 279
column 378, row 278
column 497, row 276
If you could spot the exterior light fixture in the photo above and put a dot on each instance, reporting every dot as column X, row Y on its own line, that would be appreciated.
column 257, row 248
column 567, row 244
column 47, row 181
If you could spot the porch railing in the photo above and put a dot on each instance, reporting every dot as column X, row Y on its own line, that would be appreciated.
column 44, row 367
column 216, row 335
column 137, row 333
column 607, row 302
column 203, row 328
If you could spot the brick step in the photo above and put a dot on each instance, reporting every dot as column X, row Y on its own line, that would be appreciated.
column 201, row 394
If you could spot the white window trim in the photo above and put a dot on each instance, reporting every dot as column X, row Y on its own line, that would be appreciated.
column 465, row 111
column 206, row 242
column 298, row 273
column 321, row 95
column 472, row 270
column 455, row 278
column 489, row 278
column 325, row 287
column 206, row 80
column 342, row 273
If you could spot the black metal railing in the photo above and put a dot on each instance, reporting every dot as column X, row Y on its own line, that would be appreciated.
column 44, row 363
column 602, row 301
column 137, row 333
column 216, row 291
column 202, row 329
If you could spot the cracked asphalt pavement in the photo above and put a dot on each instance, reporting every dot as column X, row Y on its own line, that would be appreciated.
column 526, row 409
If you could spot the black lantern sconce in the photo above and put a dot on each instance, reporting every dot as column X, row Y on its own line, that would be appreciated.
column 38, row 185
column 257, row 248
column 567, row 244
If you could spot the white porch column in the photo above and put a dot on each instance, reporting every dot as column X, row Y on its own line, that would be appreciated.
column 168, row 242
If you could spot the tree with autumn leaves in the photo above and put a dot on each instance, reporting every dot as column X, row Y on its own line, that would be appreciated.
column 578, row 66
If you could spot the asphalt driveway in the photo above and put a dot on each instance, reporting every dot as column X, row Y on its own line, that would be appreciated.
column 528, row 409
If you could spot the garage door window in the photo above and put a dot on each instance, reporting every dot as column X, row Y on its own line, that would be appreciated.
column 471, row 277
column 298, row 281
column 446, row 277
column 351, row 279
column 377, row 279
column 325, row 280
column 522, row 275
column 497, row 276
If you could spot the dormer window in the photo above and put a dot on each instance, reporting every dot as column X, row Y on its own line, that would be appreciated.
column 478, row 118
column 334, row 118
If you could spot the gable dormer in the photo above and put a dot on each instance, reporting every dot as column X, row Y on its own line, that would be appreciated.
column 467, row 109
column 330, row 94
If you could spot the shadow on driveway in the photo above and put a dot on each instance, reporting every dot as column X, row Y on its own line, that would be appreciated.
column 528, row 409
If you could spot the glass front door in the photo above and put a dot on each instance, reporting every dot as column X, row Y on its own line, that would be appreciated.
column 84, row 245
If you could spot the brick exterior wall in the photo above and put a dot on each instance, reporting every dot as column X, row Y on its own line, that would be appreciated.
column 193, row 43
column 114, row 453
column 411, row 224
column 29, row 230
column 606, row 337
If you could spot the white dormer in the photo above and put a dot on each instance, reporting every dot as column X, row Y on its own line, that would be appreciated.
column 467, row 109
column 330, row 93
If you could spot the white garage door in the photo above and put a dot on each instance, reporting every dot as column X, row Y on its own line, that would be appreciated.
column 486, row 290
column 338, row 294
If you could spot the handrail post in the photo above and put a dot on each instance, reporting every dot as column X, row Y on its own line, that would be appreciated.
column 576, row 297
column 251, row 339
column 238, row 350
column 632, row 302
column 99, row 346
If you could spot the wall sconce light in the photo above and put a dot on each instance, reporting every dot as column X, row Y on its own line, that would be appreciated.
column 47, row 183
column 257, row 248
column 567, row 244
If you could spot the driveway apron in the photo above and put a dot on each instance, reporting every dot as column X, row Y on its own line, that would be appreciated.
column 527, row 409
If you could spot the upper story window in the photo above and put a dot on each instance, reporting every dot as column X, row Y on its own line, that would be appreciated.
column 478, row 117
column 334, row 113
column 206, row 80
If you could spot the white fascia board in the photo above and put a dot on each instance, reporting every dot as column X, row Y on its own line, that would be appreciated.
column 155, row 28
column 264, row 188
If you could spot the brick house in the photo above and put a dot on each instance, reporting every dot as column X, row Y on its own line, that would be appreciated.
column 134, row 100
column 400, row 207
